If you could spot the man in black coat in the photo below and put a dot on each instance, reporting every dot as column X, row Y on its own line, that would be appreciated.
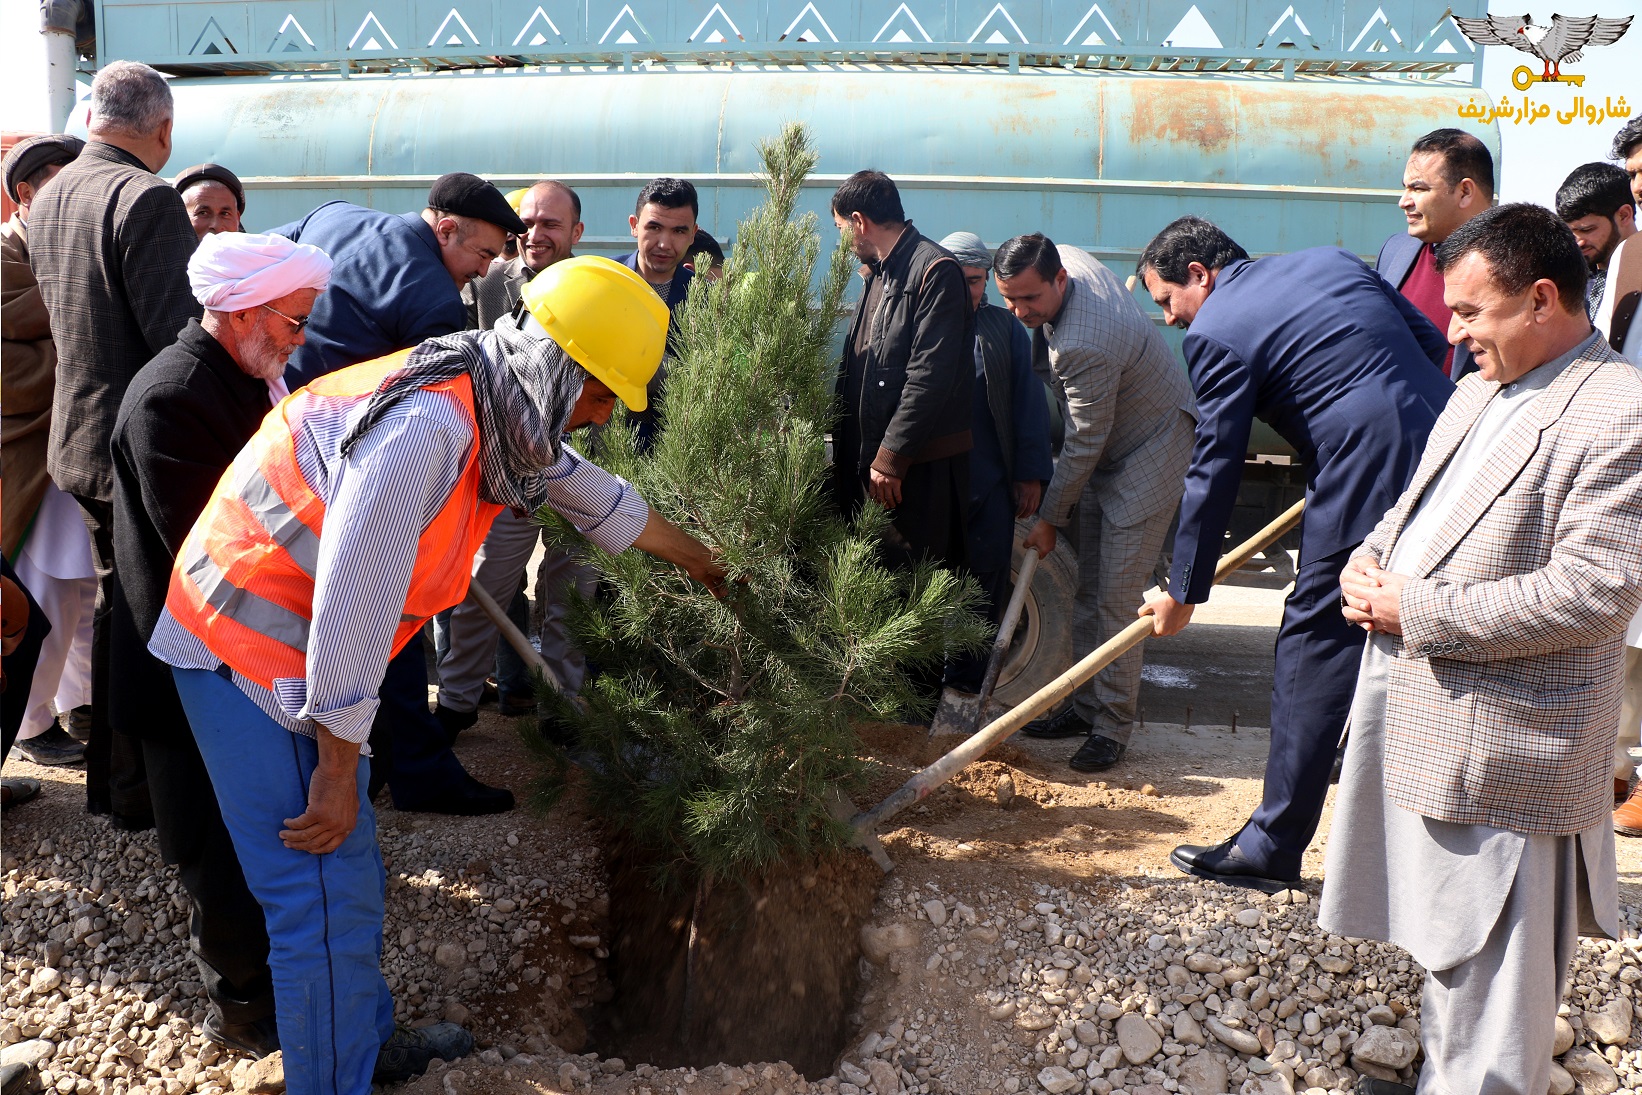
column 184, row 418
column 908, row 378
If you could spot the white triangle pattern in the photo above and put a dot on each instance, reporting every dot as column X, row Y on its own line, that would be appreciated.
column 901, row 26
column 996, row 19
column 287, row 42
column 377, row 35
column 1094, row 37
column 718, row 32
column 453, row 38
column 539, row 38
column 629, row 23
column 1193, row 32
column 808, row 34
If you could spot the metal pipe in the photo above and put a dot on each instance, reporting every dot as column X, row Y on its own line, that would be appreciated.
column 925, row 781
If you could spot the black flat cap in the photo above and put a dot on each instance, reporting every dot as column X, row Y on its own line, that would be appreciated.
column 212, row 172
column 27, row 157
column 470, row 196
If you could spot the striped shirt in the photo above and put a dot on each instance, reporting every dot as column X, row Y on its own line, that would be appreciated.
column 378, row 501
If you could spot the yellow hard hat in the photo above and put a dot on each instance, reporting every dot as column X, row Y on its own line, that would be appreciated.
column 516, row 198
column 605, row 316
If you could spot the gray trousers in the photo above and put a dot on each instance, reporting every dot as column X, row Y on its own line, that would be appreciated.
column 1630, row 716
column 498, row 568
column 1487, row 1024
column 1114, row 571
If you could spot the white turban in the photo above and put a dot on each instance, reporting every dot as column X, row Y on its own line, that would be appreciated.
column 232, row 271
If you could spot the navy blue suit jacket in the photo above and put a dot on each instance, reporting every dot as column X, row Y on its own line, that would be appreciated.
column 1337, row 362
column 389, row 288
column 1397, row 257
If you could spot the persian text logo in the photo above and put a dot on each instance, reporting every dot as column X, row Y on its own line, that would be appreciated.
column 1562, row 41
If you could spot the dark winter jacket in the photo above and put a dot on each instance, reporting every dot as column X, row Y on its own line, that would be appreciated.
column 184, row 418
column 907, row 395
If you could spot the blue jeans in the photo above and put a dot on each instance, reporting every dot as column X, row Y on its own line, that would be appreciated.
column 324, row 912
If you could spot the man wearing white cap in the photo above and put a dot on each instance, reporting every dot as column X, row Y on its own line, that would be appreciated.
column 181, row 422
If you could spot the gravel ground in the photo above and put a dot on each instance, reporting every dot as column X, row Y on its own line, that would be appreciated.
column 1049, row 954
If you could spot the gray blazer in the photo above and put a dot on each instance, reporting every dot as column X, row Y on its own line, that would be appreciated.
column 1123, row 395
column 493, row 296
column 109, row 242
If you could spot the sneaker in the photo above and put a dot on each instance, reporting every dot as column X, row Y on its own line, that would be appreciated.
column 54, row 747
column 408, row 1052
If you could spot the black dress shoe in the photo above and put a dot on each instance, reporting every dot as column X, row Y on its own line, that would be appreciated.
column 1097, row 754
column 1368, row 1085
column 466, row 797
column 1225, row 862
column 258, row 1038
column 454, row 721
column 1067, row 724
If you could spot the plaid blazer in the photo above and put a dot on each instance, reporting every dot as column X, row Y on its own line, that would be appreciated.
column 1503, row 698
column 493, row 296
column 1123, row 394
column 109, row 242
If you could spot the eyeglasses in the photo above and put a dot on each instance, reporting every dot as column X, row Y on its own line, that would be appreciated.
column 299, row 324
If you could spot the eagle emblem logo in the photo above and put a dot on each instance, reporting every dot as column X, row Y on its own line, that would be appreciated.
column 1563, row 41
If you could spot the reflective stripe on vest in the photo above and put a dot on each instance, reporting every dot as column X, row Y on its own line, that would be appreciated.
column 244, row 579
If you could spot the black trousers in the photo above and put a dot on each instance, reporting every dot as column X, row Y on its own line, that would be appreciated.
column 1318, row 654
column 115, row 782
column 932, row 522
column 227, row 935
column 19, row 666
column 410, row 749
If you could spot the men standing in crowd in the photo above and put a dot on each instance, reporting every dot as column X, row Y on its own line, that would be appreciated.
column 1472, row 826
column 43, row 529
column 1627, row 149
column 184, row 419
column 664, row 225
column 1448, row 180
column 109, row 242
column 424, row 449
column 907, row 382
column 552, row 213
column 214, row 197
column 1129, row 417
column 1011, row 461
column 397, row 281
column 1340, row 364
column 1595, row 202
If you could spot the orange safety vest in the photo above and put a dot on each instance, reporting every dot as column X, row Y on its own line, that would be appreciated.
column 244, row 580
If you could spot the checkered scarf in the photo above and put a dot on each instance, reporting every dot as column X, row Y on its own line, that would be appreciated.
column 523, row 390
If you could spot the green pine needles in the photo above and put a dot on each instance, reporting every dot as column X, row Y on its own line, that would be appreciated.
column 717, row 733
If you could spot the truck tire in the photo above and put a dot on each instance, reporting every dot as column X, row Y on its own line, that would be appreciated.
column 1042, row 647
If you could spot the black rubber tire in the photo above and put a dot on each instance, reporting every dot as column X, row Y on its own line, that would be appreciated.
column 1042, row 646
